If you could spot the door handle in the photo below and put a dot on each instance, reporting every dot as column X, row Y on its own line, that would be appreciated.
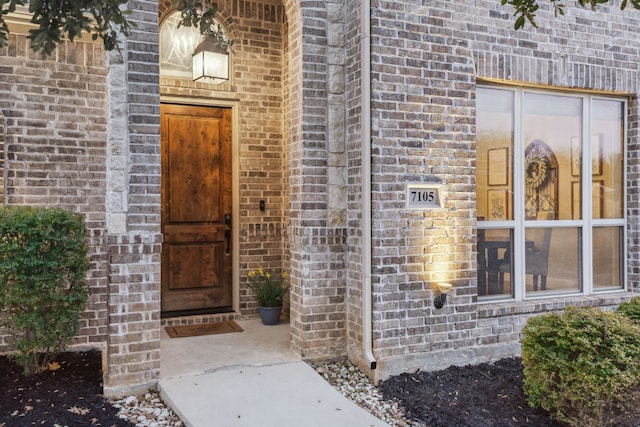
column 227, row 238
column 227, row 233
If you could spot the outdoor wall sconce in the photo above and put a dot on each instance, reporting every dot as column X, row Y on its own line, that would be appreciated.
column 210, row 61
column 441, row 298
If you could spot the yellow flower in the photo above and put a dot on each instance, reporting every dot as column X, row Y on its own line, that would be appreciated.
column 252, row 274
column 268, row 275
column 260, row 272
column 284, row 275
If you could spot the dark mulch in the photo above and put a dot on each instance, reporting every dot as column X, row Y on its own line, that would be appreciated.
column 69, row 396
column 485, row 395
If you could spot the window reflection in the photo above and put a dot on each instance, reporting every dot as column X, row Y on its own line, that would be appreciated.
column 607, row 262
column 494, row 171
column 552, row 259
column 607, row 159
column 495, row 250
column 553, row 160
column 554, row 123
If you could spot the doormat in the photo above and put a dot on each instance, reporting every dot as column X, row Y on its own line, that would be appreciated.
column 181, row 331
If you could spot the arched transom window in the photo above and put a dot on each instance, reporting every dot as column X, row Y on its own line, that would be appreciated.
column 177, row 44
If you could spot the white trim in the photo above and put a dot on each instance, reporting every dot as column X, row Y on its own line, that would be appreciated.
column 518, row 198
column 625, row 193
column 19, row 22
column 21, row 16
column 586, row 232
column 365, row 131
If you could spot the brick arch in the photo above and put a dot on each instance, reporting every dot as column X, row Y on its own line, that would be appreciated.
column 292, row 138
column 223, row 16
column 294, row 69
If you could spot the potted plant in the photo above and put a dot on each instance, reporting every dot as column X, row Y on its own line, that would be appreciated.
column 270, row 291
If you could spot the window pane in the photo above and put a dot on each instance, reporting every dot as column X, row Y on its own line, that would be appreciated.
column 607, row 159
column 607, row 263
column 495, row 261
column 494, row 151
column 177, row 44
column 551, row 259
column 552, row 127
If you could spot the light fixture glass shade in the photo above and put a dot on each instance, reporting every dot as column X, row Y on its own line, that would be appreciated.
column 210, row 61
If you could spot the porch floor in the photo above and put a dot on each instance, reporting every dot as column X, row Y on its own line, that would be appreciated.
column 256, row 345
column 250, row 378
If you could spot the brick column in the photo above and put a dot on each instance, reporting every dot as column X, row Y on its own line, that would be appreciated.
column 133, row 239
column 317, row 233
column 134, row 313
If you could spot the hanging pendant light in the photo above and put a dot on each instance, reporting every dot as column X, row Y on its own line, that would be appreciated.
column 210, row 61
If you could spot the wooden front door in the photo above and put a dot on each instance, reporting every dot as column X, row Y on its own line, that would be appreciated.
column 196, row 209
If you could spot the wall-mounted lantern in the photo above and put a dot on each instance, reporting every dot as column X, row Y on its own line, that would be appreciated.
column 211, row 61
column 441, row 298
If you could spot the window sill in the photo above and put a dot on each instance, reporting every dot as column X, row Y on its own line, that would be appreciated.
column 545, row 305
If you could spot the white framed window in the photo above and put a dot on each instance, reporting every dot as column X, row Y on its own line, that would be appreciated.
column 550, row 177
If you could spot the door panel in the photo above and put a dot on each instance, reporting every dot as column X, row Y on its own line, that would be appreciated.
column 196, row 200
column 190, row 266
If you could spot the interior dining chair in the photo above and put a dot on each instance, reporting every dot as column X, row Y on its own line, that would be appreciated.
column 536, row 258
column 482, row 264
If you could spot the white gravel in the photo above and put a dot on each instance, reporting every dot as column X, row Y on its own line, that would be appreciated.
column 147, row 410
column 352, row 383
column 150, row 411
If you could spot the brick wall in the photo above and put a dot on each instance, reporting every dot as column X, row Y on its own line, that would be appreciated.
column 423, row 131
column 52, row 145
column 426, row 63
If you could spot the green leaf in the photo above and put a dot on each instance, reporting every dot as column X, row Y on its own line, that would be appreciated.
column 43, row 263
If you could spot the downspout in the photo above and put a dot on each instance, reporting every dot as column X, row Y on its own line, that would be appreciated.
column 365, row 130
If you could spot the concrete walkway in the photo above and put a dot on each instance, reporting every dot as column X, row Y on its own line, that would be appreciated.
column 250, row 379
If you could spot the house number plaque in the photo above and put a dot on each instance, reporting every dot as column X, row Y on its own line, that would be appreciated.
column 423, row 196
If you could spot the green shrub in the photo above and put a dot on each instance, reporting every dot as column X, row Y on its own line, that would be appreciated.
column 583, row 366
column 631, row 309
column 43, row 263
